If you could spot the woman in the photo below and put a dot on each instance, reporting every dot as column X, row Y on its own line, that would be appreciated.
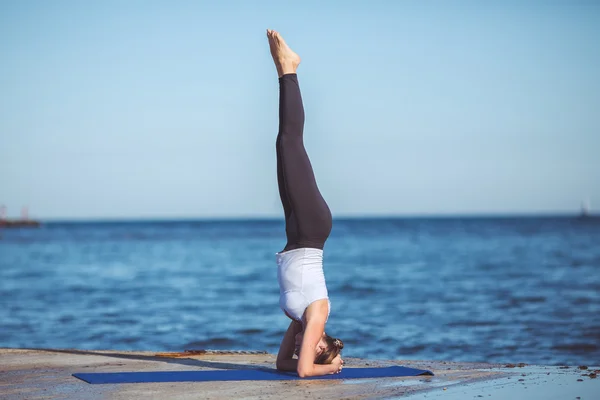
column 304, row 297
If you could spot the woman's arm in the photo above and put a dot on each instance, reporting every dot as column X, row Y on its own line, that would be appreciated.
column 285, row 360
column 306, row 362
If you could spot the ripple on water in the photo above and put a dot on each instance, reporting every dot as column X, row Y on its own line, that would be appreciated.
column 213, row 343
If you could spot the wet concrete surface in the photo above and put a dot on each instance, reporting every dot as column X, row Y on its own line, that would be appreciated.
column 529, row 382
column 47, row 373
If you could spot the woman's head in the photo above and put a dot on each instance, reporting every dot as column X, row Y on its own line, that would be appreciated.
column 327, row 349
column 334, row 347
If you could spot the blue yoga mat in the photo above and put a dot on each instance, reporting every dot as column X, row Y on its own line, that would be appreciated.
column 241, row 375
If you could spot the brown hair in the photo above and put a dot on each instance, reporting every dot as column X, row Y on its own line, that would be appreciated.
column 334, row 347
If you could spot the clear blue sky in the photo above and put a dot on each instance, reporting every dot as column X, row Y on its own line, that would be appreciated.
column 145, row 109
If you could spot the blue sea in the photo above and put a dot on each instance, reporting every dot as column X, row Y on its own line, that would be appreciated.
column 463, row 289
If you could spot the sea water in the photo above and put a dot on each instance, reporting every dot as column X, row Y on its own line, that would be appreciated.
column 462, row 289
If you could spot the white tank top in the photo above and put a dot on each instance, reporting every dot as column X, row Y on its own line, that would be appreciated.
column 301, row 280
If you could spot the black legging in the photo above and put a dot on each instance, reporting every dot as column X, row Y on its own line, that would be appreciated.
column 307, row 217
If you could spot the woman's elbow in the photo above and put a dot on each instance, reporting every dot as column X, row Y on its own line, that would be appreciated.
column 302, row 372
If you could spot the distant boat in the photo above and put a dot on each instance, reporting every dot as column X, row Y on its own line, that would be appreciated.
column 19, row 223
column 23, row 222
column 586, row 210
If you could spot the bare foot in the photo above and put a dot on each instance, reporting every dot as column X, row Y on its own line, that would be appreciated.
column 286, row 61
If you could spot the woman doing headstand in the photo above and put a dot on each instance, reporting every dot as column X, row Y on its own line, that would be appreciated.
column 303, row 293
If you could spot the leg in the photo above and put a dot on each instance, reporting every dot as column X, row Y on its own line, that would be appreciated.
column 287, row 209
column 307, row 216
column 308, row 223
column 286, row 61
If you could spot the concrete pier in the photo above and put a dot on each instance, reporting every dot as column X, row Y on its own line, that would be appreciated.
column 46, row 374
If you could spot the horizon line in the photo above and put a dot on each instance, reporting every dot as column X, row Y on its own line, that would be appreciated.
column 498, row 215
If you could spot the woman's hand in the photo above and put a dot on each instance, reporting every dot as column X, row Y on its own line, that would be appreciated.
column 337, row 363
